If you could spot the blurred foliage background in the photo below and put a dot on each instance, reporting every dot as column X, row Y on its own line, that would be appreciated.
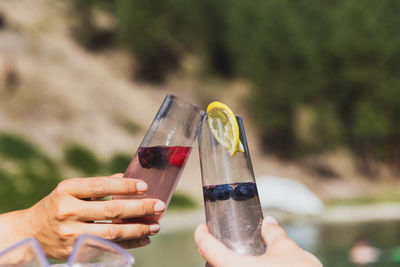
column 317, row 82
column 323, row 74
column 27, row 174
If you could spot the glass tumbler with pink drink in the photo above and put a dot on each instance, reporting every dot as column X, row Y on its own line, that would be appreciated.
column 162, row 155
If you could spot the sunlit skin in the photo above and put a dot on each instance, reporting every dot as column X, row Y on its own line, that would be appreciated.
column 281, row 251
column 59, row 218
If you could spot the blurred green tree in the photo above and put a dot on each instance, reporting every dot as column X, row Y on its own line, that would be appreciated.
column 82, row 159
column 26, row 173
column 119, row 163
column 339, row 58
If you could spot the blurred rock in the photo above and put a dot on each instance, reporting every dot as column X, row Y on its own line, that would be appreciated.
column 288, row 195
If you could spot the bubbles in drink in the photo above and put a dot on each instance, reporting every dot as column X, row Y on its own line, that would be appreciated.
column 234, row 216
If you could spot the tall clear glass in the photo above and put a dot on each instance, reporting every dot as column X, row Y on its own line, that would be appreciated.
column 163, row 153
column 233, row 211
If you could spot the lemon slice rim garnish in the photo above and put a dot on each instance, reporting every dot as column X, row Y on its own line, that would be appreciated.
column 231, row 119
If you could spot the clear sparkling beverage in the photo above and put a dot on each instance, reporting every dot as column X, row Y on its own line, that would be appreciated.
column 232, row 206
column 234, row 216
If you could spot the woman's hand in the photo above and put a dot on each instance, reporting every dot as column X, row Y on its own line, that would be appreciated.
column 281, row 251
column 59, row 218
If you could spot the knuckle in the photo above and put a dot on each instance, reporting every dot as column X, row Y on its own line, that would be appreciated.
column 112, row 210
column 145, row 230
column 66, row 233
column 128, row 185
column 113, row 233
column 96, row 187
column 63, row 212
column 141, row 208
column 148, row 206
column 62, row 186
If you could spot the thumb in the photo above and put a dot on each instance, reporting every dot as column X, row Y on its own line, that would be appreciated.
column 272, row 232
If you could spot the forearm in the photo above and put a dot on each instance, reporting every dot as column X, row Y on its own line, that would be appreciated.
column 13, row 227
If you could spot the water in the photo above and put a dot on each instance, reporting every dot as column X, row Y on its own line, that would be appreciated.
column 330, row 242
column 333, row 241
column 234, row 216
column 160, row 167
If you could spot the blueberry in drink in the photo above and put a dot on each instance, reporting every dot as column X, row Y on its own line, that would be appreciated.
column 245, row 191
column 234, row 216
column 223, row 192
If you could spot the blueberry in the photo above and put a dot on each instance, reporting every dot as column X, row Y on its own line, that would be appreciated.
column 244, row 191
column 152, row 157
column 223, row 192
column 208, row 193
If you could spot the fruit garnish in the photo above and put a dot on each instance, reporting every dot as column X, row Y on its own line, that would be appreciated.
column 224, row 127
column 179, row 156
column 223, row 192
column 152, row 157
column 244, row 191
column 208, row 193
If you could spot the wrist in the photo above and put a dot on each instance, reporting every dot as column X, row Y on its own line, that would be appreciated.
column 26, row 227
column 14, row 228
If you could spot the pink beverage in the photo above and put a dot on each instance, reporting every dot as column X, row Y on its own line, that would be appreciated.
column 160, row 167
column 164, row 150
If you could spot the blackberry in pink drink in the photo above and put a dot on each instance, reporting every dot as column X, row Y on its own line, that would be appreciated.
column 160, row 167
column 163, row 153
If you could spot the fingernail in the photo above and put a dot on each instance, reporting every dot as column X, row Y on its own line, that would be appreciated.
column 159, row 206
column 270, row 219
column 154, row 228
column 141, row 187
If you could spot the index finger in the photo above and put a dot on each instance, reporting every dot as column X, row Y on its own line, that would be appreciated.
column 101, row 186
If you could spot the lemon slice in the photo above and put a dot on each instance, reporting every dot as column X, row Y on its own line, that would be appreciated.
column 224, row 127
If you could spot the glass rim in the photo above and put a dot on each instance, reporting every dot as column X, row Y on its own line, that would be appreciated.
column 82, row 237
column 185, row 103
column 36, row 246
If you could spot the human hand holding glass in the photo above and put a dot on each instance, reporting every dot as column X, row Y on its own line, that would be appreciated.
column 66, row 213
column 281, row 251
